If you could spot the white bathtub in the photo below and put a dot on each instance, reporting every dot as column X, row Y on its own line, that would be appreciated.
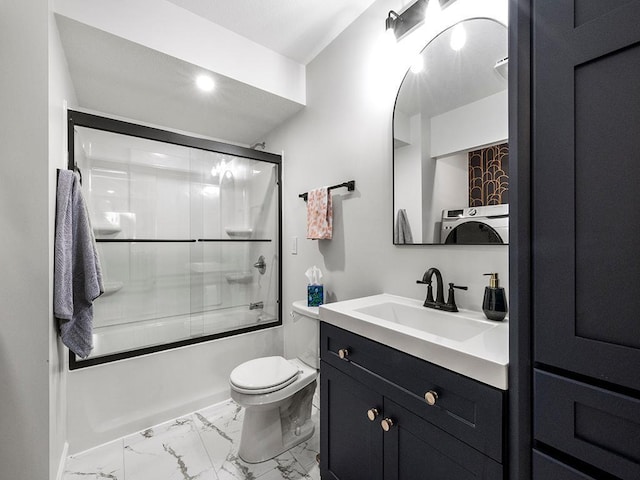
column 114, row 399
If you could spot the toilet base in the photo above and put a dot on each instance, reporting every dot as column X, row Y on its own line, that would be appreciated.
column 268, row 432
column 271, row 446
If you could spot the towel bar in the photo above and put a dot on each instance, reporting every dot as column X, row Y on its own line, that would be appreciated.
column 350, row 185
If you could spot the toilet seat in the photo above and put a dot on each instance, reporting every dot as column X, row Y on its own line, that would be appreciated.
column 263, row 375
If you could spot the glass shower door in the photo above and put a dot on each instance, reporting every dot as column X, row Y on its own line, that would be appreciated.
column 188, row 237
column 235, row 279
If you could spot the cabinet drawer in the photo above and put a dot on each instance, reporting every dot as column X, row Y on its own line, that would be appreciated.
column 597, row 426
column 465, row 408
column 546, row 468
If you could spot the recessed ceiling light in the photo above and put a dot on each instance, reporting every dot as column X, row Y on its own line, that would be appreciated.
column 205, row 83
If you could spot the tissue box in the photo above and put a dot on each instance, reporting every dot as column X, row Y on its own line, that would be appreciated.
column 315, row 295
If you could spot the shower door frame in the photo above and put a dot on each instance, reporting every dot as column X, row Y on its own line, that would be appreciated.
column 82, row 119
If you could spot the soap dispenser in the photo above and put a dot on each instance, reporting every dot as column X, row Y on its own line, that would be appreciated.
column 494, row 304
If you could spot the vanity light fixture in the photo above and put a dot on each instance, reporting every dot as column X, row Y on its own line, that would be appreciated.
column 390, row 23
column 401, row 24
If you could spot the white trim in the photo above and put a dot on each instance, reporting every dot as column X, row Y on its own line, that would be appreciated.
column 63, row 461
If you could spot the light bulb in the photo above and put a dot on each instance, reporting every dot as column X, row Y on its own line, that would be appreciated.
column 205, row 83
column 433, row 10
column 418, row 64
column 458, row 37
column 390, row 37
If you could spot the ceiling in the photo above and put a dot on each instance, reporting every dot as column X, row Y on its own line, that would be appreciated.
column 118, row 77
column 122, row 78
column 298, row 29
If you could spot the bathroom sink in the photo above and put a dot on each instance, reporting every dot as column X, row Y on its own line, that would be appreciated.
column 464, row 342
column 441, row 324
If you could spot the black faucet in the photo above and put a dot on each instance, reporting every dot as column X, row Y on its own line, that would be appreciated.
column 438, row 303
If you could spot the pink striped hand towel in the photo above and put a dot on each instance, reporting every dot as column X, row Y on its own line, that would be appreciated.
column 319, row 214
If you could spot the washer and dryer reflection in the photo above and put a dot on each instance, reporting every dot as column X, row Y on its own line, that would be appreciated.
column 475, row 225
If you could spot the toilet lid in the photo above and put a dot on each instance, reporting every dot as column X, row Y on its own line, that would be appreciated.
column 263, row 373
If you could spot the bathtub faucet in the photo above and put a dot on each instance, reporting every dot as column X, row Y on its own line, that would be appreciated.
column 256, row 306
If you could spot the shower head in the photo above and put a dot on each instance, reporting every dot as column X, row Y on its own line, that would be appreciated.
column 261, row 145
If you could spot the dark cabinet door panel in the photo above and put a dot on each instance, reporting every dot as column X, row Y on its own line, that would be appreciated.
column 547, row 468
column 592, row 424
column 586, row 66
column 350, row 444
column 416, row 449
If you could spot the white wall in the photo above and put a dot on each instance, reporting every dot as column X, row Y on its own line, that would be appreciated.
column 408, row 161
column 345, row 133
column 485, row 122
column 452, row 188
column 61, row 94
column 25, row 254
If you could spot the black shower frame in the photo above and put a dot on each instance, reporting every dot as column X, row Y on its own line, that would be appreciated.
column 88, row 120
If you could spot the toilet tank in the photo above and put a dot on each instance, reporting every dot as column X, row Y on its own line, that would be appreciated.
column 303, row 343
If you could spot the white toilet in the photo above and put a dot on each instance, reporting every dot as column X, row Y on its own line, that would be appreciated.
column 277, row 393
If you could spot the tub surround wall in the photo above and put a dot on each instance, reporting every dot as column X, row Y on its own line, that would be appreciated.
column 116, row 399
column 346, row 129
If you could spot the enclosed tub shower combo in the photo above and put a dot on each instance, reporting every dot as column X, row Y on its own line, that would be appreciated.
column 188, row 235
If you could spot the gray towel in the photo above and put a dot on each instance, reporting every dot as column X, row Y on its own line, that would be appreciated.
column 402, row 232
column 77, row 274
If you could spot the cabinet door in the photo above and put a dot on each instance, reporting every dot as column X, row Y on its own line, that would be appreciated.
column 350, row 443
column 586, row 66
column 416, row 449
column 546, row 468
column 597, row 426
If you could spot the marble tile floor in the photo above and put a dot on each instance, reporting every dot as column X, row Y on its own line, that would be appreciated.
column 200, row 446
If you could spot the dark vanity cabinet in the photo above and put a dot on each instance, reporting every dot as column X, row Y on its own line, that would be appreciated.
column 377, row 421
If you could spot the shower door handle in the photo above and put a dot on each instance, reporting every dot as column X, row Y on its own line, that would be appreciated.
column 261, row 265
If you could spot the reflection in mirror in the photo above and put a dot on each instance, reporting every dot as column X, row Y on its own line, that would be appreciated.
column 450, row 129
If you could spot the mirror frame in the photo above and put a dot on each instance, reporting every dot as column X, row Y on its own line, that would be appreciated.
column 393, row 128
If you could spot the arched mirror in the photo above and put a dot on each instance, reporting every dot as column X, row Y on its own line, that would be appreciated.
column 450, row 150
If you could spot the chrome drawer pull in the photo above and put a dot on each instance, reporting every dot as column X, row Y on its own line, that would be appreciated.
column 431, row 397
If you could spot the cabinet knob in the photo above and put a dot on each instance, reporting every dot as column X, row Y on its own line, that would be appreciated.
column 431, row 397
column 386, row 424
column 343, row 353
column 372, row 413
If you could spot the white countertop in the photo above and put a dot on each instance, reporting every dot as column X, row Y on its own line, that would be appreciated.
column 484, row 356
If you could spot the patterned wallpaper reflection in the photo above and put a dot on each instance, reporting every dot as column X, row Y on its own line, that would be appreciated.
column 489, row 176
